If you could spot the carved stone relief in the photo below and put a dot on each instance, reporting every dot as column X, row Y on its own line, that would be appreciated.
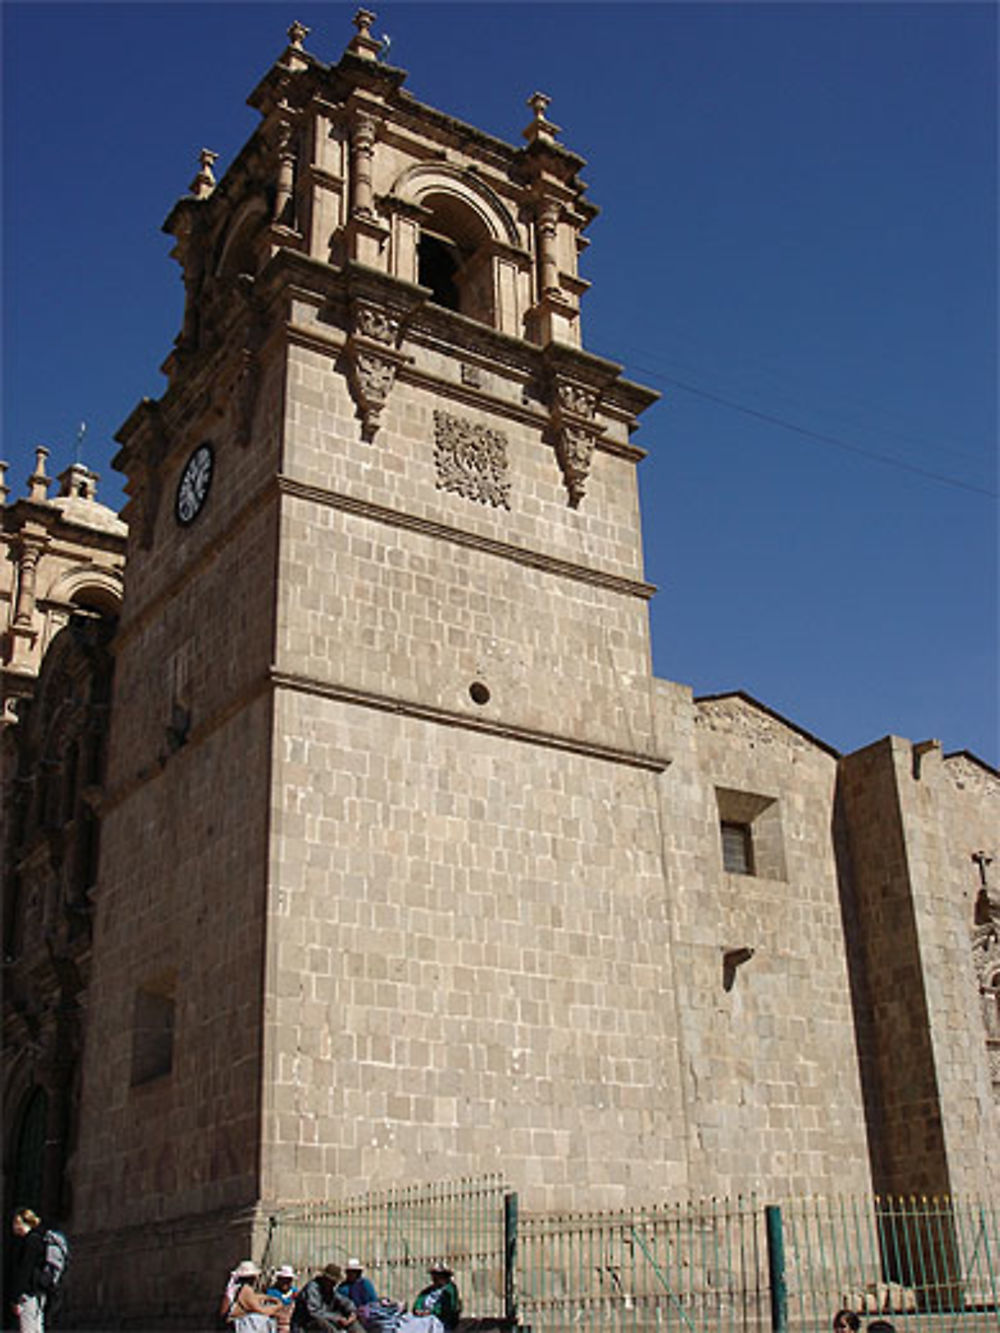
column 245, row 393
column 578, row 399
column 737, row 718
column 986, row 960
column 379, row 325
column 471, row 460
column 968, row 776
column 575, row 451
column 573, row 408
column 373, row 357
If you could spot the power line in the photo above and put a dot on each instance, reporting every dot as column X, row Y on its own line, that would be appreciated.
column 819, row 436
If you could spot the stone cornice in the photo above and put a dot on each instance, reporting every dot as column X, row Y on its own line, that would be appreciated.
column 464, row 721
column 274, row 679
column 333, row 343
column 460, row 537
column 390, row 517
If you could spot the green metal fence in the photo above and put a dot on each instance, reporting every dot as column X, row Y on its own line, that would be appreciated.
column 913, row 1260
column 719, row 1266
column 672, row 1267
column 396, row 1233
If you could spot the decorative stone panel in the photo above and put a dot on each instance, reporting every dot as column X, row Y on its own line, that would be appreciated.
column 471, row 459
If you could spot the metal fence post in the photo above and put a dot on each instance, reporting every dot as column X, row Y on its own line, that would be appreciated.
column 510, row 1258
column 776, row 1268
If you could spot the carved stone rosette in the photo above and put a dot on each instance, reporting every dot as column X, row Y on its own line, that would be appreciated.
column 471, row 460
column 573, row 408
column 373, row 359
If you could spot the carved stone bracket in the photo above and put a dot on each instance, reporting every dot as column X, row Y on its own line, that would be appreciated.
column 471, row 460
column 372, row 375
column 145, row 472
column 575, row 451
column 377, row 322
column 373, row 355
column 572, row 414
column 246, row 388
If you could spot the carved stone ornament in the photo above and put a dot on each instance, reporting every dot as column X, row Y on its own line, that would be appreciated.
column 733, row 716
column 986, row 959
column 577, row 399
column 471, row 460
column 377, row 323
column 245, row 392
column 573, row 408
column 966, row 775
column 372, row 378
column 575, row 451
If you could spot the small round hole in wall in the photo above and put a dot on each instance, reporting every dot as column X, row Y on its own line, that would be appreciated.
column 479, row 693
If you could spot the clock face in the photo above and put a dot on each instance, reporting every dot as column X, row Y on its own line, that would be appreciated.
column 194, row 485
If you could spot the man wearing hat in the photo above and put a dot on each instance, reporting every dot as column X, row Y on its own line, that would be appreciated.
column 320, row 1306
column 441, row 1298
column 356, row 1287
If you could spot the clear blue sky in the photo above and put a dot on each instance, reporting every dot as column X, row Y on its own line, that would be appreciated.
column 797, row 246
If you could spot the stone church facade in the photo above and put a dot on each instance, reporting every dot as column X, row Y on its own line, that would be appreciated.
column 385, row 856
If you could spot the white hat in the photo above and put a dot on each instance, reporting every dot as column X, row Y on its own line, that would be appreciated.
column 286, row 1270
column 354, row 1263
column 246, row 1269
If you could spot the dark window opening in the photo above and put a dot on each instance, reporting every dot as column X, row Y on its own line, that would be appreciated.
column 153, row 1033
column 29, row 1162
column 438, row 264
column 737, row 849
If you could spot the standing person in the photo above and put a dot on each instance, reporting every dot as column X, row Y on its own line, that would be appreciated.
column 244, row 1307
column 356, row 1287
column 30, row 1283
column 283, row 1289
column 320, row 1306
column 441, row 1298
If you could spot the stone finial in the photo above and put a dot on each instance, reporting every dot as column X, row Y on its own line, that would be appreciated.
column 541, row 129
column 297, row 34
column 39, row 482
column 296, row 57
column 363, row 43
column 204, row 183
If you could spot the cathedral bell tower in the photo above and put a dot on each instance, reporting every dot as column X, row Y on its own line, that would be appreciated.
column 381, row 880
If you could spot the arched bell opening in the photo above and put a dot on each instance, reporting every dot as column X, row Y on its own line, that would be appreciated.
column 454, row 260
column 242, row 248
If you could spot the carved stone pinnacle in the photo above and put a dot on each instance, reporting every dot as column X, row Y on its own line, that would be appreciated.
column 297, row 34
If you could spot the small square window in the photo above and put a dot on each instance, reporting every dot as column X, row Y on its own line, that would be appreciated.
column 737, row 848
column 750, row 834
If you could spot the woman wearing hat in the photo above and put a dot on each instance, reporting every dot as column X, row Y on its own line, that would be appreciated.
column 243, row 1306
column 283, row 1289
column 441, row 1298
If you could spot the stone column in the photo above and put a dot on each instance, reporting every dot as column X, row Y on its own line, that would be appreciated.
column 363, row 152
column 548, row 265
column 27, row 567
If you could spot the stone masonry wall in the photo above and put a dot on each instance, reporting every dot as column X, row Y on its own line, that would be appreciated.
column 181, row 911
column 771, row 1091
column 469, row 966
column 950, row 810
